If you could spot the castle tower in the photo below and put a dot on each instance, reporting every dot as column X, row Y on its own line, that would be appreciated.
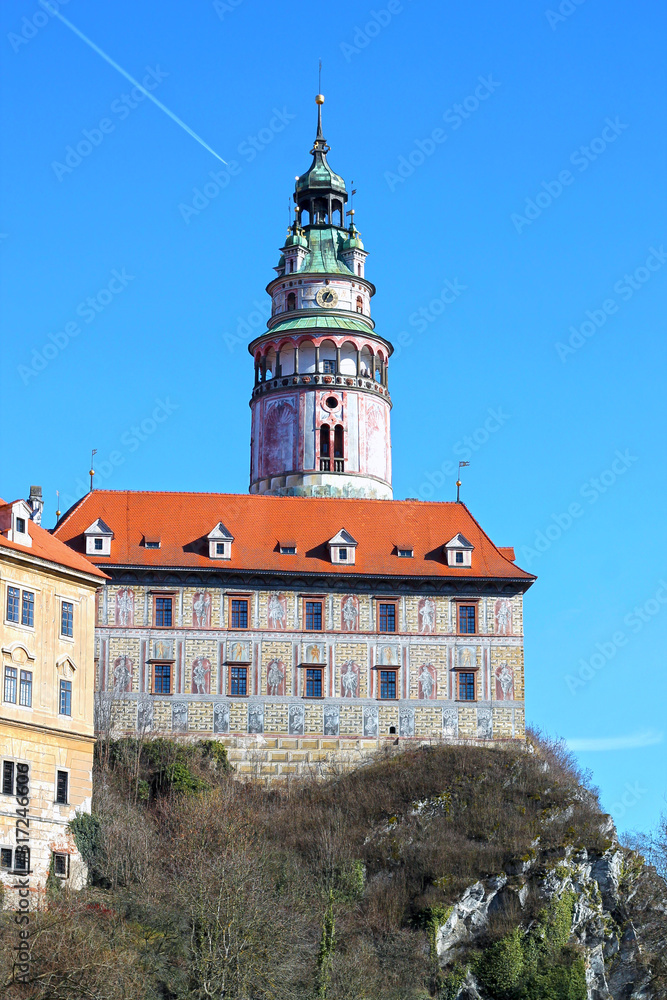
column 320, row 404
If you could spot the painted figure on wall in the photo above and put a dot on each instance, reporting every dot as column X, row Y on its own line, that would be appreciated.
column 427, row 616
column 314, row 654
column 406, row 722
column 484, row 724
column 279, row 428
column 388, row 656
column 145, row 715
column 221, row 718
column 504, row 682
column 240, row 652
column 162, row 649
column 467, row 658
column 179, row 717
column 256, row 718
column 122, row 674
column 350, row 614
column 201, row 675
column 275, row 677
column 277, row 611
column 426, row 680
column 349, row 680
column 370, row 721
column 450, row 722
column 331, row 720
column 125, row 607
column 201, row 610
column 503, row 617
column 296, row 720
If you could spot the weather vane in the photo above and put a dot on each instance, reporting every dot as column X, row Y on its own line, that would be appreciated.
column 458, row 481
column 92, row 468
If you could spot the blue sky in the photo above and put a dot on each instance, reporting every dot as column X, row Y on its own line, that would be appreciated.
column 516, row 153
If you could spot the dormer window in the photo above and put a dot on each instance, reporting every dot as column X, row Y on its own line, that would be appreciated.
column 458, row 552
column 342, row 548
column 20, row 525
column 14, row 518
column 220, row 542
column 151, row 543
column 405, row 551
column 287, row 548
column 98, row 538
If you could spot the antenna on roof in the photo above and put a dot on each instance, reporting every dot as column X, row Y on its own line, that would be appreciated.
column 319, row 79
column 458, row 482
column 92, row 469
column 58, row 511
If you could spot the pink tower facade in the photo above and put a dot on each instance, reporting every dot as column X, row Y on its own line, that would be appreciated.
column 320, row 403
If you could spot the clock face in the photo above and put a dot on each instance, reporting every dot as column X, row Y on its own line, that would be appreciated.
column 327, row 298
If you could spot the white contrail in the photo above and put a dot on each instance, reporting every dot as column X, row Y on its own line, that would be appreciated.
column 147, row 93
column 648, row 738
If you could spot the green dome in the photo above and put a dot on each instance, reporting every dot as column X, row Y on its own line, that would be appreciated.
column 320, row 177
column 296, row 241
column 352, row 243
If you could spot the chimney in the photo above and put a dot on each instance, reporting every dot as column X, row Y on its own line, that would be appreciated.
column 36, row 503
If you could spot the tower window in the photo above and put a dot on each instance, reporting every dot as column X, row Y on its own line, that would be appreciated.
column 291, row 302
column 329, row 368
column 325, row 448
column 359, row 269
column 338, row 448
column 291, row 266
column 62, row 782
column 360, row 304
column 65, row 706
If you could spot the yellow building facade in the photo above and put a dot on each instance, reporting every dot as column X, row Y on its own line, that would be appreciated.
column 47, row 637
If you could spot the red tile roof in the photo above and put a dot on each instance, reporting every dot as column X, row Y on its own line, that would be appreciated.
column 45, row 546
column 258, row 523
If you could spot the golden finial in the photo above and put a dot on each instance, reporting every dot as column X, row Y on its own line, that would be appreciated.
column 319, row 99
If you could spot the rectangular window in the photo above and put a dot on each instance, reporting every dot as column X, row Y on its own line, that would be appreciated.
column 467, row 618
column 8, row 777
column 25, row 689
column 13, row 594
column 405, row 553
column 388, row 684
column 67, row 620
column 20, row 525
column 163, row 612
column 239, row 614
column 10, row 684
column 313, row 683
column 61, row 865
column 151, row 545
column 99, row 544
column 387, row 618
column 459, row 557
column 28, row 609
column 62, row 782
column 239, row 681
column 5, row 857
column 466, row 687
column 162, row 678
column 329, row 367
column 342, row 554
column 220, row 548
column 313, row 616
column 65, row 698
column 22, row 859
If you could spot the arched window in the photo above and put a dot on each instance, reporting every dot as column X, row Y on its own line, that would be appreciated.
column 291, row 301
column 325, row 439
column 360, row 304
column 338, row 448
